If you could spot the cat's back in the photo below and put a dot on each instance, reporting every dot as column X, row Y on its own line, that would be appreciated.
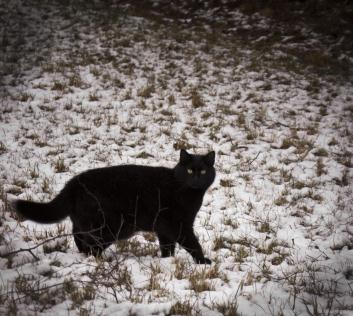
column 126, row 176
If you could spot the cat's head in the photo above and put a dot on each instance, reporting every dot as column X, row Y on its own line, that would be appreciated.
column 195, row 171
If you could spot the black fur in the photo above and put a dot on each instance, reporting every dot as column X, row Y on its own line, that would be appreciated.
column 113, row 203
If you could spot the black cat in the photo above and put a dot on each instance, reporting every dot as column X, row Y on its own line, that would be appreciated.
column 112, row 203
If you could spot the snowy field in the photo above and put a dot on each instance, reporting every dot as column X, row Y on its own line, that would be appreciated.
column 92, row 84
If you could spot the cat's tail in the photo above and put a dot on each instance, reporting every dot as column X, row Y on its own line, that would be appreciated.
column 45, row 213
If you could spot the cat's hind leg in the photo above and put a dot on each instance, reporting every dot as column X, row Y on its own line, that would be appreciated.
column 79, row 238
column 92, row 242
column 166, row 245
column 86, row 244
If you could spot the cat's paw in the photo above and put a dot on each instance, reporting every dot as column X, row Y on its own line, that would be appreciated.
column 167, row 255
column 203, row 260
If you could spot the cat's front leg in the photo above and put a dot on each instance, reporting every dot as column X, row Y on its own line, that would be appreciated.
column 190, row 243
column 184, row 235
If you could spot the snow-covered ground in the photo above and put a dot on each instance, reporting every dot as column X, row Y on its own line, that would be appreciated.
column 86, row 85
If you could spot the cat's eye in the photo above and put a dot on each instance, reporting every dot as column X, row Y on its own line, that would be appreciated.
column 203, row 171
column 189, row 171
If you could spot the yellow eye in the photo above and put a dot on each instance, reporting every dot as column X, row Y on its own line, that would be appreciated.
column 189, row 171
column 203, row 171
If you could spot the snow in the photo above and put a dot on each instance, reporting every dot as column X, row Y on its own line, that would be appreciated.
column 277, row 222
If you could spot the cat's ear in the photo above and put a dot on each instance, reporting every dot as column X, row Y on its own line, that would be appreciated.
column 184, row 156
column 210, row 158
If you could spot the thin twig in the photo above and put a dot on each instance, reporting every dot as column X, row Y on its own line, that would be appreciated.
column 34, row 247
